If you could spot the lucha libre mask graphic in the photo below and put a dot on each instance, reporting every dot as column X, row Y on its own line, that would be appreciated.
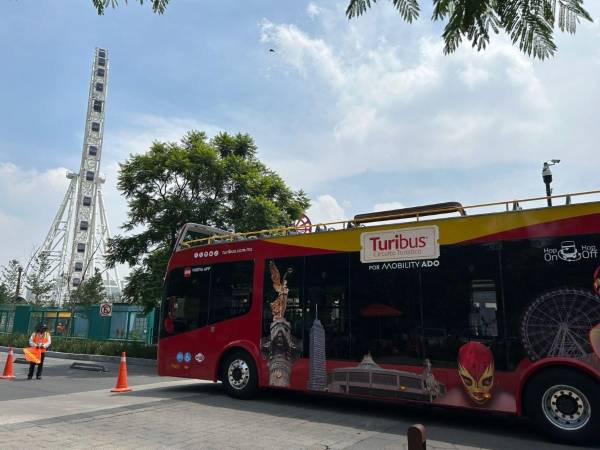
column 476, row 370
column 595, row 339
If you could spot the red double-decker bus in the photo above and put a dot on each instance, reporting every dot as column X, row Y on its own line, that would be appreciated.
column 496, row 311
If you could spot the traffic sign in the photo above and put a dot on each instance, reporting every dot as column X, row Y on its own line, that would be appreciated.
column 106, row 310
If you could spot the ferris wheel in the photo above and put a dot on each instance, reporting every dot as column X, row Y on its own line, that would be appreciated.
column 558, row 324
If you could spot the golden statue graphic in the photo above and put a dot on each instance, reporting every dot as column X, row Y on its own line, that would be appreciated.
column 279, row 347
column 280, row 286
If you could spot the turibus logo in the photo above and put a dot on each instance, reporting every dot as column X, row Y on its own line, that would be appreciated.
column 400, row 245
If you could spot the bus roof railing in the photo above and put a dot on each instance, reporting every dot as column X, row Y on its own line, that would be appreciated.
column 413, row 212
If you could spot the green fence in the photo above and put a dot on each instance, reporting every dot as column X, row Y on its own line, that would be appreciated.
column 126, row 323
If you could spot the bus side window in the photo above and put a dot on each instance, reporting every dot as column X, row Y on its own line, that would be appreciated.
column 460, row 301
column 326, row 291
column 231, row 290
column 385, row 313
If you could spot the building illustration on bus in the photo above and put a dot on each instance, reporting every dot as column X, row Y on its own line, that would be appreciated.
column 496, row 311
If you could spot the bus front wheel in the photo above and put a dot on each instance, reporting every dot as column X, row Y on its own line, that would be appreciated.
column 565, row 404
column 239, row 375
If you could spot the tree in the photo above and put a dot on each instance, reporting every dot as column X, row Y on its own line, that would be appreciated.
column 218, row 182
column 529, row 23
column 37, row 280
column 90, row 292
column 5, row 295
column 10, row 279
column 158, row 6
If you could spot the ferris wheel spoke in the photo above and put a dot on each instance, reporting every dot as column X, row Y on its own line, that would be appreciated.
column 578, row 337
column 548, row 316
column 581, row 307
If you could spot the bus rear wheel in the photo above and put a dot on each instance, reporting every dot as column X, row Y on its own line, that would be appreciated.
column 239, row 375
column 565, row 404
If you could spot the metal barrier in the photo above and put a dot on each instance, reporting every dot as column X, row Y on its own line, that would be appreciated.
column 126, row 323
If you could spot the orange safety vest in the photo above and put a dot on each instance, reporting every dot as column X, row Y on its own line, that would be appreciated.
column 39, row 338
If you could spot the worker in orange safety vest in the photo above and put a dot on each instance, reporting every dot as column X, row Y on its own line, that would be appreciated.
column 39, row 339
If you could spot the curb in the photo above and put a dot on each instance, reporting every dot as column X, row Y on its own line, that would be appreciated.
column 96, row 358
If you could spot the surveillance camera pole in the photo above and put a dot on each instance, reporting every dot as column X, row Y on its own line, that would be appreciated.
column 547, row 177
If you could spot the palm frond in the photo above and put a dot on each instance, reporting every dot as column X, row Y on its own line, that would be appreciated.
column 358, row 7
column 570, row 12
column 530, row 25
column 158, row 6
column 442, row 8
column 469, row 19
column 409, row 9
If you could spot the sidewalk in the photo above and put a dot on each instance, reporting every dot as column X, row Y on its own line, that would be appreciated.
column 95, row 358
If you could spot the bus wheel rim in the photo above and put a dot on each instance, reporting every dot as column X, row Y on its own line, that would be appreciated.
column 566, row 407
column 238, row 374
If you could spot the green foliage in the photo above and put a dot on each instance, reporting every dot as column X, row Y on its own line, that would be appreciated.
column 9, row 278
column 158, row 6
column 37, row 279
column 5, row 295
column 529, row 23
column 14, row 340
column 218, row 182
column 89, row 292
column 85, row 346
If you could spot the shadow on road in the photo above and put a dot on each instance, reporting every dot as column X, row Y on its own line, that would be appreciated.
column 490, row 431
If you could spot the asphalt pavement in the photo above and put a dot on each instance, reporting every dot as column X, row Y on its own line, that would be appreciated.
column 72, row 408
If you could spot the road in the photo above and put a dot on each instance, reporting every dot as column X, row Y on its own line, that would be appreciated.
column 74, row 409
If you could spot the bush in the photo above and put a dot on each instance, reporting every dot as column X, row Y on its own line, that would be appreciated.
column 14, row 340
column 85, row 346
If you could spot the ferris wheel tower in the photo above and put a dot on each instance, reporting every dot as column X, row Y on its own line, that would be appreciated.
column 77, row 240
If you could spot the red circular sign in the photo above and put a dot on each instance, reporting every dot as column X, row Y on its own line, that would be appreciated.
column 106, row 309
column 303, row 224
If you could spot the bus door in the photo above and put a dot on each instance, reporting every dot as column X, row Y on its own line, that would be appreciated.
column 184, row 334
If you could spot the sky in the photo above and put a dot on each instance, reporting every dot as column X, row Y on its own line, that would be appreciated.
column 364, row 115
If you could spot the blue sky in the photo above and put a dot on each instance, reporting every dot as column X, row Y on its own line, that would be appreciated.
column 363, row 115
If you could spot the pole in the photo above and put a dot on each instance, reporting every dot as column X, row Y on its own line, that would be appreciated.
column 18, row 287
column 549, row 193
column 547, row 177
column 417, row 437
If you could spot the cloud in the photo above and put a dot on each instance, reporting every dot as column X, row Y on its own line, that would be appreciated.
column 389, row 101
column 313, row 10
column 387, row 206
column 139, row 132
column 325, row 208
column 303, row 53
column 30, row 200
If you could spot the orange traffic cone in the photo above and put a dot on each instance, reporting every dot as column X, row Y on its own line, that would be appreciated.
column 9, row 373
column 122, row 379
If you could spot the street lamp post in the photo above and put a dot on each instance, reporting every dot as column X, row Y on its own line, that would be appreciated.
column 547, row 177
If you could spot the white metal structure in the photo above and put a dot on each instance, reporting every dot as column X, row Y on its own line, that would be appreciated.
column 76, row 241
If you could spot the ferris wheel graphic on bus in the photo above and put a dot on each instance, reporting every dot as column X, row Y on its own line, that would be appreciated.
column 558, row 324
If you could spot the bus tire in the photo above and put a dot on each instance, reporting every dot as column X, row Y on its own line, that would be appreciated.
column 239, row 375
column 565, row 405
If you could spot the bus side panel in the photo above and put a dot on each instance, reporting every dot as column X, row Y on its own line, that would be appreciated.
column 197, row 353
column 457, row 331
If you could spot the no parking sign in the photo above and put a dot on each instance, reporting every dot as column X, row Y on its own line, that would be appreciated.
column 106, row 310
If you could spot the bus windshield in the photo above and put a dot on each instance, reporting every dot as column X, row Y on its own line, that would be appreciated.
column 200, row 295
